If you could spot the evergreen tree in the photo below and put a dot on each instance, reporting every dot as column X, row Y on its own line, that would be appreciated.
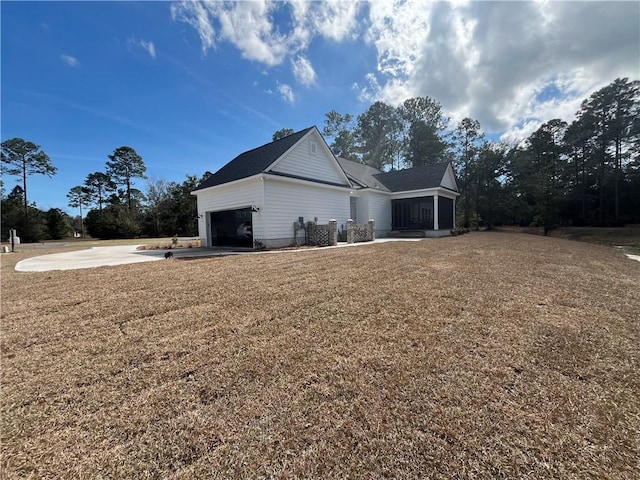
column 340, row 129
column 467, row 137
column 79, row 197
column 425, row 126
column 378, row 135
column 23, row 158
column 123, row 167
column 100, row 186
column 57, row 223
column 283, row 132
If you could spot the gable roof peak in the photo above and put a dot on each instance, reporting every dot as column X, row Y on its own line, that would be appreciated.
column 254, row 161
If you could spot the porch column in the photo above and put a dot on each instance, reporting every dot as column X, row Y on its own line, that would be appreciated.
column 436, row 226
column 208, row 241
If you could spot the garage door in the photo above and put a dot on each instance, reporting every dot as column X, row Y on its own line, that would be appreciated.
column 231, row 228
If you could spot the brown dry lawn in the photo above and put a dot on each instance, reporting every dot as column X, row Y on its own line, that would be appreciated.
column 490, row 355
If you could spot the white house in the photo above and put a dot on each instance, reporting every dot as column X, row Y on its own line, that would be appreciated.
column 266, row 195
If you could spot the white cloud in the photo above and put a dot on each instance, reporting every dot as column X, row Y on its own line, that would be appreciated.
column 69, row 60
column 287, row 92
column 511, row 65
column 367, row 93
column 247, row 25
column 303, row 71
column 493, row 60
column 195, row 14
column 333, row 19
column 250, row 26
column 148, row 46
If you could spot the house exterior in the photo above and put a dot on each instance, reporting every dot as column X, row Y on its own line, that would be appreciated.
column 266, row 195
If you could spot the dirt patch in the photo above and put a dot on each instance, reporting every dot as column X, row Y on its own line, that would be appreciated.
column 488, row 355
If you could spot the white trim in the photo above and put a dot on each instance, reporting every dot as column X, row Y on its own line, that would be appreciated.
column 264, row 209
column 436, row 220
column 281, row 178
column 442, row 191
column 426, row 192
column 449, row 170
column 323, row 145
column 234, row 182
column 237, row 206
column 277, row 160
column 448, row 194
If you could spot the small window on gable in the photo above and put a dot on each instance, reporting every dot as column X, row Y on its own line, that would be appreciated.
column 313, row 148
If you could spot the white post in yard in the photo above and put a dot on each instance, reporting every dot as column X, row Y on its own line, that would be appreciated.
column 436, row 226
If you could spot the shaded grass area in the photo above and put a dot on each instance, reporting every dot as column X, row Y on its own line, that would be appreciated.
column 629, row 235
column 489, row 355
column 626, row 237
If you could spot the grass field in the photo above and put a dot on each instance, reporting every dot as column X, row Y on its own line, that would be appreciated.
column 488, row 355
column 80, row 243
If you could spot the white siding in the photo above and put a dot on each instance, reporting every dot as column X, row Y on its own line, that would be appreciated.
column 285, row 201
column 377, row 206
column 240, row 194
column 300, row 162
column 449, row 180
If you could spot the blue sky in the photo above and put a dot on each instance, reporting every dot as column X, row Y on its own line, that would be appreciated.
column 190, row 85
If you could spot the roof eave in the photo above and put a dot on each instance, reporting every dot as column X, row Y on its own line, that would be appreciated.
column 425, row 191
column 233, row 182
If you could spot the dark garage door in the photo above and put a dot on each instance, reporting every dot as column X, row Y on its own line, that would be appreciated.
column 231, row 228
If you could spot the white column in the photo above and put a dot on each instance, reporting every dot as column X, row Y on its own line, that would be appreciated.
column 436, row 226
column 208, row 241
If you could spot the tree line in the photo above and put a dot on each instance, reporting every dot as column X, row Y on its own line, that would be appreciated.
column 109, row 203
column 586, row 172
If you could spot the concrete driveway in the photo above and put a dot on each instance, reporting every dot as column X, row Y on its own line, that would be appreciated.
column 121, row 255
column 105, row 256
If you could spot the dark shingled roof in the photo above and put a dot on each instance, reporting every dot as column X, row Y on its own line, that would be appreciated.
column 360, row 174
column 253, row 161
column 416, row 178
column 259, row 159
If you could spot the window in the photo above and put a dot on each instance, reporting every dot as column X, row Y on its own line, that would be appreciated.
column 313, row 147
